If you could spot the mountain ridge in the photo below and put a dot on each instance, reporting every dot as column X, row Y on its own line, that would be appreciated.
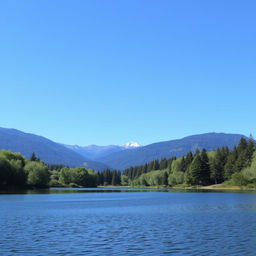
column 167, row 149
column 111, row 156
column 47, row 150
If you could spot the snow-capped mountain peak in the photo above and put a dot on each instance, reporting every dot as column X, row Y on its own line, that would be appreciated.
column 132, row 145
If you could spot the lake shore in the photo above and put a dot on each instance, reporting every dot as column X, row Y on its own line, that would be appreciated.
column 209, row 187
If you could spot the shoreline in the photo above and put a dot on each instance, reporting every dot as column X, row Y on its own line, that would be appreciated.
column 209, row 187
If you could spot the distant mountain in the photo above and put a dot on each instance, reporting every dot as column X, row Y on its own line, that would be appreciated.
column 132, row 145
column 115, row 157
column 95, row 152
column 47, row 150
column 210, row 141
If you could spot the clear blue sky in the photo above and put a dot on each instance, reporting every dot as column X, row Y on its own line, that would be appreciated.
column 107, row 72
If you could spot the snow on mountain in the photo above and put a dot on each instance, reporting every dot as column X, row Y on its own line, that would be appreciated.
column 132, row 145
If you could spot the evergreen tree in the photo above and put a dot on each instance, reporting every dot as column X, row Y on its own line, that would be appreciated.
column 165, row 179
column 145, row 168
column 205, row 168
column 217, row 167
column 182, row 164
column 163, row 164
column 34, row 158
column 155, row 165
column 188, row 160
column 229, row 167
column 193, row 176
column 113, row 182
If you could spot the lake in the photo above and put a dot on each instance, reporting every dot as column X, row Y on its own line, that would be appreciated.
column 127, row 222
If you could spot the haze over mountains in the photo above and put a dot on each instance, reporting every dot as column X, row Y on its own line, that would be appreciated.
column 112, row 156
column 95, row 152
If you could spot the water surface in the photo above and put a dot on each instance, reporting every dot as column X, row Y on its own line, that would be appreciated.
column 127, row 222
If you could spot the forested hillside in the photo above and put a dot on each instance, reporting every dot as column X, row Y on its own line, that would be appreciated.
column 167, row 149
column 237, row 167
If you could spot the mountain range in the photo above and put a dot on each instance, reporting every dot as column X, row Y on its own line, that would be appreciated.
column 112, row 156
column 96, row 152
column 47, row 150
column 166, row 149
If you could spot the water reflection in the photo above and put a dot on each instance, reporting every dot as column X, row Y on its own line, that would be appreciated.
column 61, row 190
column 117, row 222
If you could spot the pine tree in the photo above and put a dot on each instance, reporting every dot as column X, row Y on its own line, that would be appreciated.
column 250, row 150
column 182, row 165
column 193, row 176
column 145, row 168
column 163, row 164
column 156, row 165
column 205, row 168
column 165, row 179
column 217, row 167
column 188, row 160
column 34, row 158
column 113, row 181
column 229, row 167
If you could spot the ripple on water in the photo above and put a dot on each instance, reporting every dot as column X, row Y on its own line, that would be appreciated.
column 129, row 224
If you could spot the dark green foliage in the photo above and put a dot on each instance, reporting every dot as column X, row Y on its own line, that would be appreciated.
column 116, row 178
column 5, row 172
column 229, row 167
column 217, row 165
column 188, row 160
column 12, row 169
column 34, row 158
column 78, row 176
column 163, row 164
column 205, row 168
column 38, row 174
column 182, row 166
column 135, row 171
column 200, row 168
column 109, row 177
column 194, row 172
column 16, row 171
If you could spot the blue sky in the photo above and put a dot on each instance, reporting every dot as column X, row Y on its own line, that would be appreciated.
column 108, row 72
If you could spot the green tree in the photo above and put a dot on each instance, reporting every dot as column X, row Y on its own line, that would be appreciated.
column 124, row 180
column 229, row 167
column 12, row 169
column 34, row 158
column 176, row 178
column 194, row 174
column 5, row 174
column 205, row 168
column 38, row 174
column 217, row 166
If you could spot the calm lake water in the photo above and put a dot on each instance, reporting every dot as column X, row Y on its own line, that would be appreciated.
column 127, row 222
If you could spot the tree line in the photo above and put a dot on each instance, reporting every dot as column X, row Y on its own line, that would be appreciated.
column 236, row 166
column 17, row 171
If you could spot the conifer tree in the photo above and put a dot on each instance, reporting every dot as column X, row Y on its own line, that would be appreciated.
column 205, row 168
column 194, row 173
column 217, row 167
column 229, row 167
